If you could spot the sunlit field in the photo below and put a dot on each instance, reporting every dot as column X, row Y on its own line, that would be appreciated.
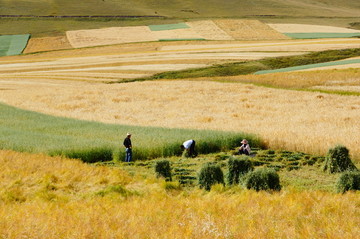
column 304, row 121
column 44, row 197
column 78, row 89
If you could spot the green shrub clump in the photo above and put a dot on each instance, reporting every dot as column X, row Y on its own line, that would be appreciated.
column 263, row 179
column 237, row 169
column 338, row 160
column 163, row 169
column 91, row 155
column 348, row 181
column 209, row 175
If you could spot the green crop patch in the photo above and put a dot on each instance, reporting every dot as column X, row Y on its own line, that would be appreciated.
column 165, row 27
column 13, row 44
column 27, row 131
column 304, row 67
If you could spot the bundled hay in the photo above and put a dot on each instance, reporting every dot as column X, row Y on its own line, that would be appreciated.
column 338, row 160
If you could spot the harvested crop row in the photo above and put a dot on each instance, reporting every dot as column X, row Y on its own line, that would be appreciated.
column 47, row 44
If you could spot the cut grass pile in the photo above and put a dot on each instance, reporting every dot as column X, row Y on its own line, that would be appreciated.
column 91, row 141
column 47, row 197
column 306, row 167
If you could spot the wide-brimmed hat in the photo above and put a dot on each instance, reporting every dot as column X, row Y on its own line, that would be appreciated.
column 128, row 134
column 244, row 141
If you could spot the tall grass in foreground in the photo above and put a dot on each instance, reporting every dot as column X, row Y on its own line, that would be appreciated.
column 27, row 131
column 44, row 197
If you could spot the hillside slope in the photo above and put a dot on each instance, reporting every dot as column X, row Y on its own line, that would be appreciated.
column 183, row 8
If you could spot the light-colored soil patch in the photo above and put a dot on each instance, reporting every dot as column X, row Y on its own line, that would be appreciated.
column 47, row 44
column 301, row 121
column 248, row 30
column 305, row 28
column 187, row 33
column 108, row 36
column 209, row 30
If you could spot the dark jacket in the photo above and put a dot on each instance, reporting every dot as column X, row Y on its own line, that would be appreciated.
column 127, row 142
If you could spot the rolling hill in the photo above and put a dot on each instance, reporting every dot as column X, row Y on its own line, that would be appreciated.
column 183, row 8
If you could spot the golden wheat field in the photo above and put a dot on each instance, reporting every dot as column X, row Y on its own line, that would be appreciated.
column 45, row 197
column 70, row 83
column 301, row 121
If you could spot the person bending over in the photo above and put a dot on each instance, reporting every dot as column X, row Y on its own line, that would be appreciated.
column 189, row 146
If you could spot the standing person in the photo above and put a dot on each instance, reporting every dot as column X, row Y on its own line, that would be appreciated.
column 244, row 148
column 189, row 146
column 128, row 148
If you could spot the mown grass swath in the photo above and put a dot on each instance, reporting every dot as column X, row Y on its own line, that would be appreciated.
column 243, row 68
column 28, row 131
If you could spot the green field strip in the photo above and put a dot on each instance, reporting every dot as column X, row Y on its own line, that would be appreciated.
column 33, row 132
column 165, row 27
column 314, row 35
column 13, row 44
column 182, row 39
column 305, row 67
column 5, row 42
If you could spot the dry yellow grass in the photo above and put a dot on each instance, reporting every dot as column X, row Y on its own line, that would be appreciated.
column 296, row 28
column 38, row 177
column 209, row 30
column 108, row 36
column 304, row 79
column 47, row 44
column 248, row 30
column 58, row 199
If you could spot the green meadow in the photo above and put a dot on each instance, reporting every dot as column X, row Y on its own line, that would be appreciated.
column 27, row 131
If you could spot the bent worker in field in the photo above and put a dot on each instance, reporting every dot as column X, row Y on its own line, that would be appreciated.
column 128, row 148
column 189, row 146
column 244, row 148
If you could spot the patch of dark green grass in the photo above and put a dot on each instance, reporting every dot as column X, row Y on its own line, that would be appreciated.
column 249, row 67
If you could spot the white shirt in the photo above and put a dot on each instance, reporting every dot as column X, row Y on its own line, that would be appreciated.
column 188, row 143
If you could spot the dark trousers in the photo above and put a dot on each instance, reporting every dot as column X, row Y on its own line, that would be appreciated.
column 128, row 155
column 192, row 152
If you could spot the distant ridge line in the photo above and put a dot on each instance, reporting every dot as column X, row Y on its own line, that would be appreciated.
column 82, row 16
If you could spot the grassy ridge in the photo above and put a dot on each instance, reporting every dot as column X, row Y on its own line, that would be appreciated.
column 243, row 68
column 329, row 12
column 27, row 131
column 182, row 8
